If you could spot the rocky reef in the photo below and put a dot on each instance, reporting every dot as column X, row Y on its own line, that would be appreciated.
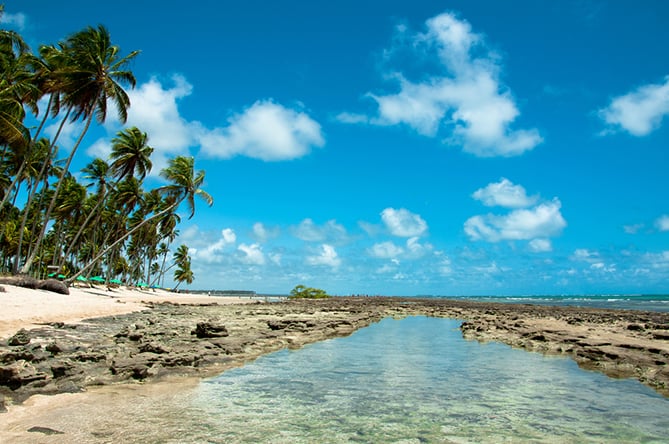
column 169, row 339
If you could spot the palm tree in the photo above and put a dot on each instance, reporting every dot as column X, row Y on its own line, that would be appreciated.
column 183, row 273
column 94, row 78
column 16, row 87
column 185, row 185
column 131, row 156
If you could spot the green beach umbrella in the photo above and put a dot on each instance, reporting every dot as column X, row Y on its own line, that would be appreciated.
column 97, row 279
column 81, row 279
column 142, row 284
column 115, row 281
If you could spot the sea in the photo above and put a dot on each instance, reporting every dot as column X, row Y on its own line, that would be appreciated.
column 411, row 380
column 644, row 302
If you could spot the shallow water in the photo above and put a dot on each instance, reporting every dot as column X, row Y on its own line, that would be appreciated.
column 404, row 381
column 417, row 380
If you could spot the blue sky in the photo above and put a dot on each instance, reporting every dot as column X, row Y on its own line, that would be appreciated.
column 401, row 148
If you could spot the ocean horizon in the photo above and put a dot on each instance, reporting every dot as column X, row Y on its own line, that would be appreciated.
column 641, row 302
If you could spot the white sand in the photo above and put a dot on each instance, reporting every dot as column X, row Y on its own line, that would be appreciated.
column 25, row 308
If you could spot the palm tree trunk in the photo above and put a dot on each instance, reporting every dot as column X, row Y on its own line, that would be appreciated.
column 31, row 196
column 38, row 242
column 27, row 158
column 122, row 238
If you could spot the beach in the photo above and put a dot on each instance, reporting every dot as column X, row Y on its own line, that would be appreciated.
column 94, row 344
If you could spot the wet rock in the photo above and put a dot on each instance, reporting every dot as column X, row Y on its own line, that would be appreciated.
column 153, row 347
column 210, row 330
column 45, row 430
column 60, row 369
column 635, row 327
column 53, row 348
column 22, row 337
column 69, row 387
column 19, row 373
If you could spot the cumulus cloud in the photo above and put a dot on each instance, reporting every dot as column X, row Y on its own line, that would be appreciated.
column 212, row 252
column 662, row 223
column 403, row 223
column 385, row 250
column 262, row 233
column 266, row 131
column 154, row 109
column 308, row 230
column 415, row 249
column 541, row 221
column 504, row 194
column 465, row 95
column 540, row 245
column 326, row 256
column 641, row 111
column 252, row 254
column 16, row 20
column 583, row 254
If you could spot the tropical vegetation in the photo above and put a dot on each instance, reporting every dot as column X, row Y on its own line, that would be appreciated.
column 303, row 292
column 104, row 220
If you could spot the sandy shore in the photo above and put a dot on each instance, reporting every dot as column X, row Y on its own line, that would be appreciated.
column 101, row 365
column 26, row 308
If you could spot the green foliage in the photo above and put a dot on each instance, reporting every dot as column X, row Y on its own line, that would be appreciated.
column 302, row 292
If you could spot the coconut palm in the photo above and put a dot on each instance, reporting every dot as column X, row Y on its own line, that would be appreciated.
column 183, row 273
column 185, row 185
column 131, row 156
column 95, row 77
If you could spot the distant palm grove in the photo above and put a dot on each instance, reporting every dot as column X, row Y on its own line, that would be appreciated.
column 103, row 223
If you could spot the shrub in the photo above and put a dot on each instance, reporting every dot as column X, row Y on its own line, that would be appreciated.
column 302, row 292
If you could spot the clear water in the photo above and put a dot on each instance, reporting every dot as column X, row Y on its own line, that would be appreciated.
column 410, row 381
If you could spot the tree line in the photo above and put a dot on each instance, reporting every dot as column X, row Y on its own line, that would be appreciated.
column 106, row 222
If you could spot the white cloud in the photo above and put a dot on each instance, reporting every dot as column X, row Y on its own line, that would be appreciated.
column 252, row 254
column 403, row 223
column 641, row 111
column 444, row 267
column 662, row 223
column 266, row 131
column 544, row 220
column 540, row 245
column 346, row 117
column 633, row 229
column 307, row 230
column 327, row 256
column 657, row 260
column 504, row 194
column 100, row 148
column 68, row 135
column 583, row 254
column 154, row 110
column 262, row 233
column 385, row 250
column 228, row 236
column 17, row 20
column 416, row 249
column 212, row 252
column 469, row 100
